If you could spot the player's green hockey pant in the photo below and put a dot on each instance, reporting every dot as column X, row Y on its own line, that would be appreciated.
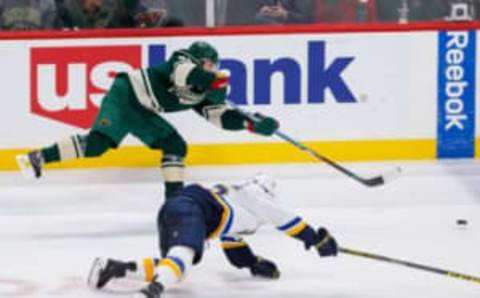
column 119, row 115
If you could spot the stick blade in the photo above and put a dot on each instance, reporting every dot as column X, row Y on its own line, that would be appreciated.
column 385, row 178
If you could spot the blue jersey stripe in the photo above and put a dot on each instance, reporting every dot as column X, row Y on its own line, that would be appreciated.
column 290, row 224
column 230, row 239
column 179, row 263
column 229, row 223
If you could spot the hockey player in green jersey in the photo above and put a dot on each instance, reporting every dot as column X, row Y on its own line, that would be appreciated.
column 135, row 104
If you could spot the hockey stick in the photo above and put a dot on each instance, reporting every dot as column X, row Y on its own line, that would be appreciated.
column 370, row 182
column 381, row 258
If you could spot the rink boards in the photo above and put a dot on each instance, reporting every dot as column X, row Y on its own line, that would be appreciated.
column 382, row 95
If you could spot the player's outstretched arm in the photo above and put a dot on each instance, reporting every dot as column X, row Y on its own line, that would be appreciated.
column 240, row 255
column 226, row 118
column 260, row 199
column 321, row 239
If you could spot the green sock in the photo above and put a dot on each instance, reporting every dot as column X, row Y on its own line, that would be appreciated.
column 51, row 154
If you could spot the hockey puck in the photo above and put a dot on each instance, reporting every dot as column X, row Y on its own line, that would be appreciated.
column 462, row 222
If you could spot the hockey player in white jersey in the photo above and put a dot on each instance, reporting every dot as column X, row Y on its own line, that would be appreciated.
column 197, row 214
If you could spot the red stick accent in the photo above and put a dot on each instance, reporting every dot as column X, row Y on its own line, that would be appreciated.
column 250, row 126
column 220, row 83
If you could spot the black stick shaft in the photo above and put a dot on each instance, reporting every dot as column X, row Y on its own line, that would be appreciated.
column 375, row 181
column 431, row 269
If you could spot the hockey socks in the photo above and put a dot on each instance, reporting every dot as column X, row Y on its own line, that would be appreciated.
column 173, row 171
column 77, row 146
column 170, row 269
column 67, row 149
column 166, row 271
column 74, row 147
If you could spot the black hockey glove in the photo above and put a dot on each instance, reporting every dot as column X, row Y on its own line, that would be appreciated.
column 265, row 268
column 265, row 125
column 326, row 245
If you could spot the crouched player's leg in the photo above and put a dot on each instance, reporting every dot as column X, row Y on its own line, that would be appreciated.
column 182, row 232
column 182, row 229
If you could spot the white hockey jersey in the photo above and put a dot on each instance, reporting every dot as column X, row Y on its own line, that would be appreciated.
column 249, row 206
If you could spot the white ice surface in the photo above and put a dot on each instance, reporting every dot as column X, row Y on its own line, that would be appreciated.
column 50, row 231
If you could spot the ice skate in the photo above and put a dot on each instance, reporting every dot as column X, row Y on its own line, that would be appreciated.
column 153, row 290
column 31, row 164
column 103, row 271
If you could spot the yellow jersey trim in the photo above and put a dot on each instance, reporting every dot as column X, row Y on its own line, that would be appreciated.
column 232, row 245
column 297, row 229
column 225, row 216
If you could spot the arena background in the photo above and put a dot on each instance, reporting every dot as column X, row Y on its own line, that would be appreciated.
column 409, row 92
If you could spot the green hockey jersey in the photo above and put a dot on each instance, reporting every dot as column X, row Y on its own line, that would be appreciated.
column 181, row 84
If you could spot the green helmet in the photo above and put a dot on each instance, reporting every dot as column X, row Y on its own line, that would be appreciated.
column 201, row 50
